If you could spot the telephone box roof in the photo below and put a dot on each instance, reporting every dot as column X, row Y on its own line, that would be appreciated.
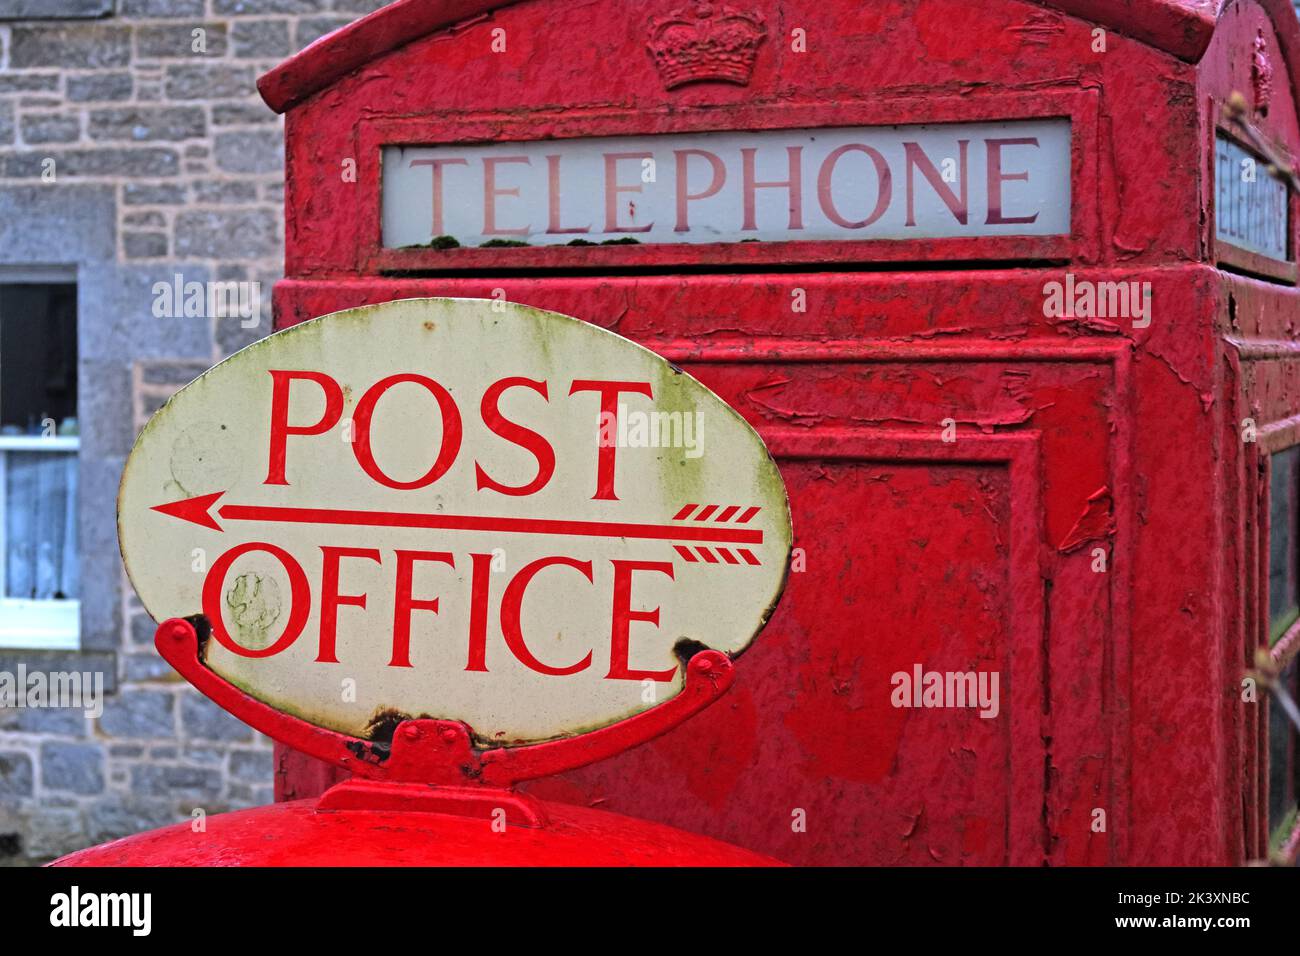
column 1181, row 28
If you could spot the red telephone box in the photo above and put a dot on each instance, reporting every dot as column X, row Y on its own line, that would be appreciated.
column 1009, row 293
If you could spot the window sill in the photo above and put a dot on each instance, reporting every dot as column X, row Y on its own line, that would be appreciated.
column 55, row 9
column 39, row 442
column 40, row 625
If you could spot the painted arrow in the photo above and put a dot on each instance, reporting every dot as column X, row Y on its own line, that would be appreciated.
column 198, row 510
column 193, row 509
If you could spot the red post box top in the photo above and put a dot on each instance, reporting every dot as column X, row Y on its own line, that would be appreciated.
column 303, row 834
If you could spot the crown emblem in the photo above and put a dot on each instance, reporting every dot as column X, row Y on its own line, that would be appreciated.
column 706, row 42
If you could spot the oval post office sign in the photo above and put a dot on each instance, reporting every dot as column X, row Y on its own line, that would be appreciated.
column 457, row 509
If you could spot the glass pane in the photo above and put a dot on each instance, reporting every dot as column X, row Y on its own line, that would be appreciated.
column 1282, row 767
column 1282, row 593
column 38, row 358
column 40, row 537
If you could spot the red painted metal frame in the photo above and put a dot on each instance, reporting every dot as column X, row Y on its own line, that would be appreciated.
column 1249, row 742
column 1020, row 453
column 1080, row 108
column 432, row 764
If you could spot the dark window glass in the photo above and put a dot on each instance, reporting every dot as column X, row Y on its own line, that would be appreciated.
column 1282, row 766
column 38, row 356
column 1283, row 602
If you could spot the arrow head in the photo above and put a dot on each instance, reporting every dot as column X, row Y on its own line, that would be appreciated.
column 193, row 509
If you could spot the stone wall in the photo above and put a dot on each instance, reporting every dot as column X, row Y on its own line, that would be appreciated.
column 134, row 148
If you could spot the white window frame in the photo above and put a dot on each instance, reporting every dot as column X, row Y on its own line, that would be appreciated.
column 25, row 624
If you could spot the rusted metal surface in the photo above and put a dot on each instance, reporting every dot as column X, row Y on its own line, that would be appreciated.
column 1076, row 434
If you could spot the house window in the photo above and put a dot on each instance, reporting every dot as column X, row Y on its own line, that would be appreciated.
column 39, row 575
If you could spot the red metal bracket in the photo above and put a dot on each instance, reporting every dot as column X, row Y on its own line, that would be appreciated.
column 433, row 764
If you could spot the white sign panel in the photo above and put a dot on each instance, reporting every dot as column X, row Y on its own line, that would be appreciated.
column 1251, row 205
column 457, row 509
column 890, row 182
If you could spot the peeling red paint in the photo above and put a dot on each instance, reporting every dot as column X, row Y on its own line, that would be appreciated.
column 1096, row 522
